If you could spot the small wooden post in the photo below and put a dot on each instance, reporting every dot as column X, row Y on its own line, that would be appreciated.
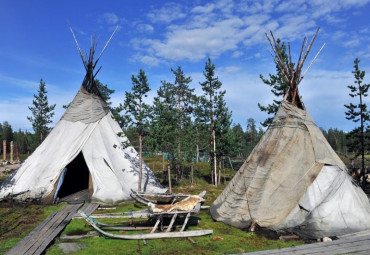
column 17, row 151
column 11, row 151
column 4, row 150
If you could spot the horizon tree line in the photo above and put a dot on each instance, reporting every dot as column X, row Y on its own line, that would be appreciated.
column 183, row 125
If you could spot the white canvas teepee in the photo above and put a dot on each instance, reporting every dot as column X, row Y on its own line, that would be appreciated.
column 83, row 151
column 293, row 180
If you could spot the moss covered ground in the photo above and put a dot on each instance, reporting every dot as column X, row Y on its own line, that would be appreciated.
column 224, row 240
column 17, row 220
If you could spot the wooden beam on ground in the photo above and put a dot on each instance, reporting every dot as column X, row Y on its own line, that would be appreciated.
column 355, row 245
column 41, row 236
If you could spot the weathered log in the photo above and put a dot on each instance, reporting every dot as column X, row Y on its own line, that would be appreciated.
column 148, row 236
column 289, row 237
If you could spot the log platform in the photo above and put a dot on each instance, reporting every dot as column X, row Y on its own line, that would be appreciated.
column 356, row 244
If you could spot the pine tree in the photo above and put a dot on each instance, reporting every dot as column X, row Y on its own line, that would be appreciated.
column 7, row 135
column 279, row 87
column 42, row 113
column 251, row 135
column 138, row 112
column 239, row 145
column 211, row 87
column 358, row 113
column 222, row 131
column 185, row 100
column 164, row 124
column 201, row 128
column 105, row 92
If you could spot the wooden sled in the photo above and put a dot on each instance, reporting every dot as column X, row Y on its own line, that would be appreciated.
column 158, row 198
column 159, row 218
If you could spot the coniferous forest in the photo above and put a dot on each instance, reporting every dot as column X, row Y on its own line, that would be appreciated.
column 187, row 128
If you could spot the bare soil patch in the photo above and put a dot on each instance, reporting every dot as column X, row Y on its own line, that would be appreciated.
column 6, row 170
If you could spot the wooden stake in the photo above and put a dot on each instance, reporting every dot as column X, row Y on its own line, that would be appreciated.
column 11, row 151
column 4, row 150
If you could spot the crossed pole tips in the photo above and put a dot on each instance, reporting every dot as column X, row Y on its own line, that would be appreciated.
column 286, row 66
column 88, row 61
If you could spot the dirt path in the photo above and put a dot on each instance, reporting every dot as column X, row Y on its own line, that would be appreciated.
column 6, row 170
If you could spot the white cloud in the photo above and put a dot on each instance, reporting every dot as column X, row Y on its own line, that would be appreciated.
column 238, row 32
column 145, row 28
column 147, row 60
column 167, row 14
column 237, row 54
column 24, row 85
column 195, row 44
column 229, row 69
column 203, row 9
column 109, row 18
column 339, row 35
column 351, row 43
column 218, row 27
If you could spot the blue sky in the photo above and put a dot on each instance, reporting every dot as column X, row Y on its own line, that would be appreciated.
column 159, row 35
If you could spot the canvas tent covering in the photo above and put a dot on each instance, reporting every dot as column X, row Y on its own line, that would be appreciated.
column 294, row 181
column 83, row 151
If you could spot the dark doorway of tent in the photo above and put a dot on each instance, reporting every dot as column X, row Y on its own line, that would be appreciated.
column 74, row 182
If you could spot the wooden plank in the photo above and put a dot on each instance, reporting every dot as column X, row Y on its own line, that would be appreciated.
column 33, row 239
column 40, row 237
column 171, row 223
column 80, row 196
column 132, row 228
column 185, row 222
column 89, row 208
column 75, row 237
column 17, row 249
column 357, row 244
column 156, row 225
column 361, row 233
column 149, row 236
column 47, row 234
column 50, row 236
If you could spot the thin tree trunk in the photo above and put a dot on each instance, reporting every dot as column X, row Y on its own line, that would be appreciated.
column 362, row 142
column 178, row 170
column 215, row 158
column 212, row 136
column 140, row 163
column 213, row 180
column 169, row 175
column 192, row 173
column 231, row 163
column 163, row 168
column 140, row 150
column 219, row 171
column 223, row 167
column 197, row 157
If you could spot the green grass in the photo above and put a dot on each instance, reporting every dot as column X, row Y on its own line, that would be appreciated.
column 225, row 239
column 17, row 220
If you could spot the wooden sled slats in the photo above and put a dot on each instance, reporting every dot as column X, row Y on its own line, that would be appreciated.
column 147, row 236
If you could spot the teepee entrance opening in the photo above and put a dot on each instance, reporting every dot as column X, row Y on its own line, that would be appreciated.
column 75, row 177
